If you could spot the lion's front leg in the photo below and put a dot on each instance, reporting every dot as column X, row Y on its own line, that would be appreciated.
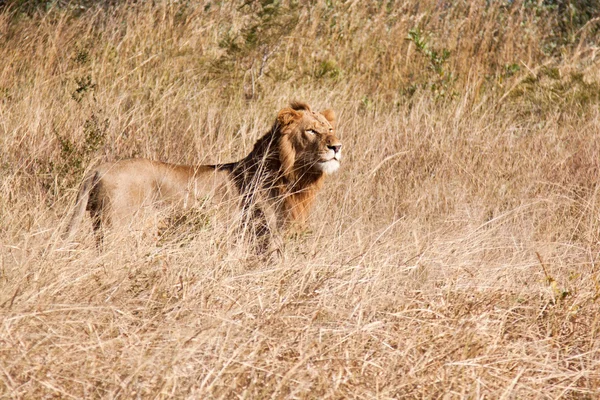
column 255, row 222
column 295, row 209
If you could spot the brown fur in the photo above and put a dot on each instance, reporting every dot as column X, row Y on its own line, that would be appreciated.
column 283, row 172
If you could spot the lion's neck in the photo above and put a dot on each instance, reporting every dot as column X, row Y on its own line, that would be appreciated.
column 264, row 165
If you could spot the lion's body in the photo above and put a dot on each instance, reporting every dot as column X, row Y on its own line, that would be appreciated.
column 116, row 193
column 283, row 172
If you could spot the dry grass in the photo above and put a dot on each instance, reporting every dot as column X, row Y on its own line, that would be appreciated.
column 454, row 255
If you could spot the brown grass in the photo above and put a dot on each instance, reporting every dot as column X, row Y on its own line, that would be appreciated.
column 454, row 255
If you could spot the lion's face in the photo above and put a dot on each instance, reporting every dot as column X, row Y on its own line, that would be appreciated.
column 310, row 136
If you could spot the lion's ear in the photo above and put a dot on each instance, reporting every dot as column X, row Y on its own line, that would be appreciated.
column 329, row 116
column 288, row 115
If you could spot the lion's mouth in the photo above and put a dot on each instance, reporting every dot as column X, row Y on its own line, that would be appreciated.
column 330, row 165
column 336, row 157
column 326, row 160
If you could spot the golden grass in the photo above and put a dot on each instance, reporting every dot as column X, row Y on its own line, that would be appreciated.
column 454, row 254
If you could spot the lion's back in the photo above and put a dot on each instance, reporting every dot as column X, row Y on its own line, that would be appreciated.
column 137, row 182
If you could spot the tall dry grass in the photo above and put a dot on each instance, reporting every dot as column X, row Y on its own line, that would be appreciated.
column 454, row 255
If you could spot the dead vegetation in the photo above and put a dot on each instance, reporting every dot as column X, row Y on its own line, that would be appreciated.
column 453, row 256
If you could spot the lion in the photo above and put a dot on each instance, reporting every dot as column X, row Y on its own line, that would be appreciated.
column 283, row 173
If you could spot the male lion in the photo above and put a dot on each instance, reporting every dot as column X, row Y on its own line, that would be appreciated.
column 283, row 173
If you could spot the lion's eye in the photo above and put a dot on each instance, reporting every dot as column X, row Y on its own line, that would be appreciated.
column 310, row 131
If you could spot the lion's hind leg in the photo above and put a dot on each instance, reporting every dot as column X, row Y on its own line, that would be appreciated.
column 98, row 228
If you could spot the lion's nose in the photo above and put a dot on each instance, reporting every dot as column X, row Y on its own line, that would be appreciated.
column 334, row 147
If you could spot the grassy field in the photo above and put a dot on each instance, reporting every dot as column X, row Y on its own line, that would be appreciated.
column 454, row 255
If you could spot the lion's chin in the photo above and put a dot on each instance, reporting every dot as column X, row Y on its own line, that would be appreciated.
column 329, row 167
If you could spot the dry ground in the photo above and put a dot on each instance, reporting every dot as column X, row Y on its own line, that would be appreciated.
column 453, row 256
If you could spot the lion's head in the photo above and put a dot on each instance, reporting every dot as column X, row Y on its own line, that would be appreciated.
column 293, row 158
column 308, row 144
